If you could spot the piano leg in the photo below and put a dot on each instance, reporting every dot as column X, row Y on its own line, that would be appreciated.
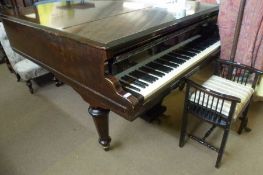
column 101, row 119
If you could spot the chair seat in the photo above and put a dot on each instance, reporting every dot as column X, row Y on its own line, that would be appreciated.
column 28, row 69
column 227, row 87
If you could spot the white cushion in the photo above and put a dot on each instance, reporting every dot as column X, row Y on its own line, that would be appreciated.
column 12, row 56
column 227, row 87
column 22, row 66
column 2, row 32
column 28, row 69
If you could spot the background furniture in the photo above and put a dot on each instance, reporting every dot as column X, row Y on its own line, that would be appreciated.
column 22, row 67
column 2, row 54
column 221, row 99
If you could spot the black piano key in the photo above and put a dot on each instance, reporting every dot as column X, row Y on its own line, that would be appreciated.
column 196, row 46
column 129, row 86
column 197, row 49
column 173, row 59
column 174, row 54
column 204, row 44
column 154, row 78
column 190, row 49
column 203, row 47
column 199, row 46
column 170, row 60
column 184, row 52
column 134, row 81
column 191, row 46
column 194, row 50
column 159, row 67
column 136, row 94
column 143, row 76
column 161, row 61
column 209, row 41
column 152, row 71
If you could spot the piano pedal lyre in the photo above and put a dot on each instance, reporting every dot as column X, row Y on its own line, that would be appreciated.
column 154, row 114
column 182, row 84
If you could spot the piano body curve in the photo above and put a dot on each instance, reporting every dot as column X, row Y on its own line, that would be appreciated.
column 82, row 48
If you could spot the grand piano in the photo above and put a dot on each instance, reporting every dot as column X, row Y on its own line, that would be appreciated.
column 120, row 56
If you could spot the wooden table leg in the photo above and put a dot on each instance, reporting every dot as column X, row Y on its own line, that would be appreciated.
column 101, row 119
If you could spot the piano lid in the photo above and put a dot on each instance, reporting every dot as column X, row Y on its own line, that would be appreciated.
column 111, row 22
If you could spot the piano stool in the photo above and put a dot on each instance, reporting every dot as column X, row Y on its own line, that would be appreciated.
column 2, row 54
column 219, row 101
column 23, row 68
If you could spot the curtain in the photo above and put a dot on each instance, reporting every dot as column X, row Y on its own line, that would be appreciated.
column 250, row 44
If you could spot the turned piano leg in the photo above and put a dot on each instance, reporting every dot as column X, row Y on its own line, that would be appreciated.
column 101, row 119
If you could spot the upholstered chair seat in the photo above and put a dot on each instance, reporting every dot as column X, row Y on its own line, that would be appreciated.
column 22, row 67
column 227, row 87
column 29, row 70
column 12, row 56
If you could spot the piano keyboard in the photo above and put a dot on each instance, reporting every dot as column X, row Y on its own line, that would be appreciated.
column 149, row 76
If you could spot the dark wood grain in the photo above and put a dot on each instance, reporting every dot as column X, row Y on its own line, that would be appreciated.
column 101, row 120
column 74, row 63
column 112, row 23
column 74, row 44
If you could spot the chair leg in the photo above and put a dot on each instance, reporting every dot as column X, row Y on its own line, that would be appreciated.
column 183, row 129
column 9, row 65
column 18, row 77
column 244, row 122
column 222, row 146
column 10, row 68
column 57, row 82
column 29, row 85
column 182, row 85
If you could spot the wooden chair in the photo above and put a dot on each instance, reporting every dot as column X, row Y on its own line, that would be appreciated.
column 220, row 100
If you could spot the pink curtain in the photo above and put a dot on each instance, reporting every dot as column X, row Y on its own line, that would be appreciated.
column 250, row 45
column 208, row 1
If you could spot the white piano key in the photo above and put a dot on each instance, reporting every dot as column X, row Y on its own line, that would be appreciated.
column 176, row 72
column 154, row 87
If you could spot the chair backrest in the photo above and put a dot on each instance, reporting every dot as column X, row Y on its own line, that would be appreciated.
column 12, row 56
column 209, row 105
column 237, row 72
